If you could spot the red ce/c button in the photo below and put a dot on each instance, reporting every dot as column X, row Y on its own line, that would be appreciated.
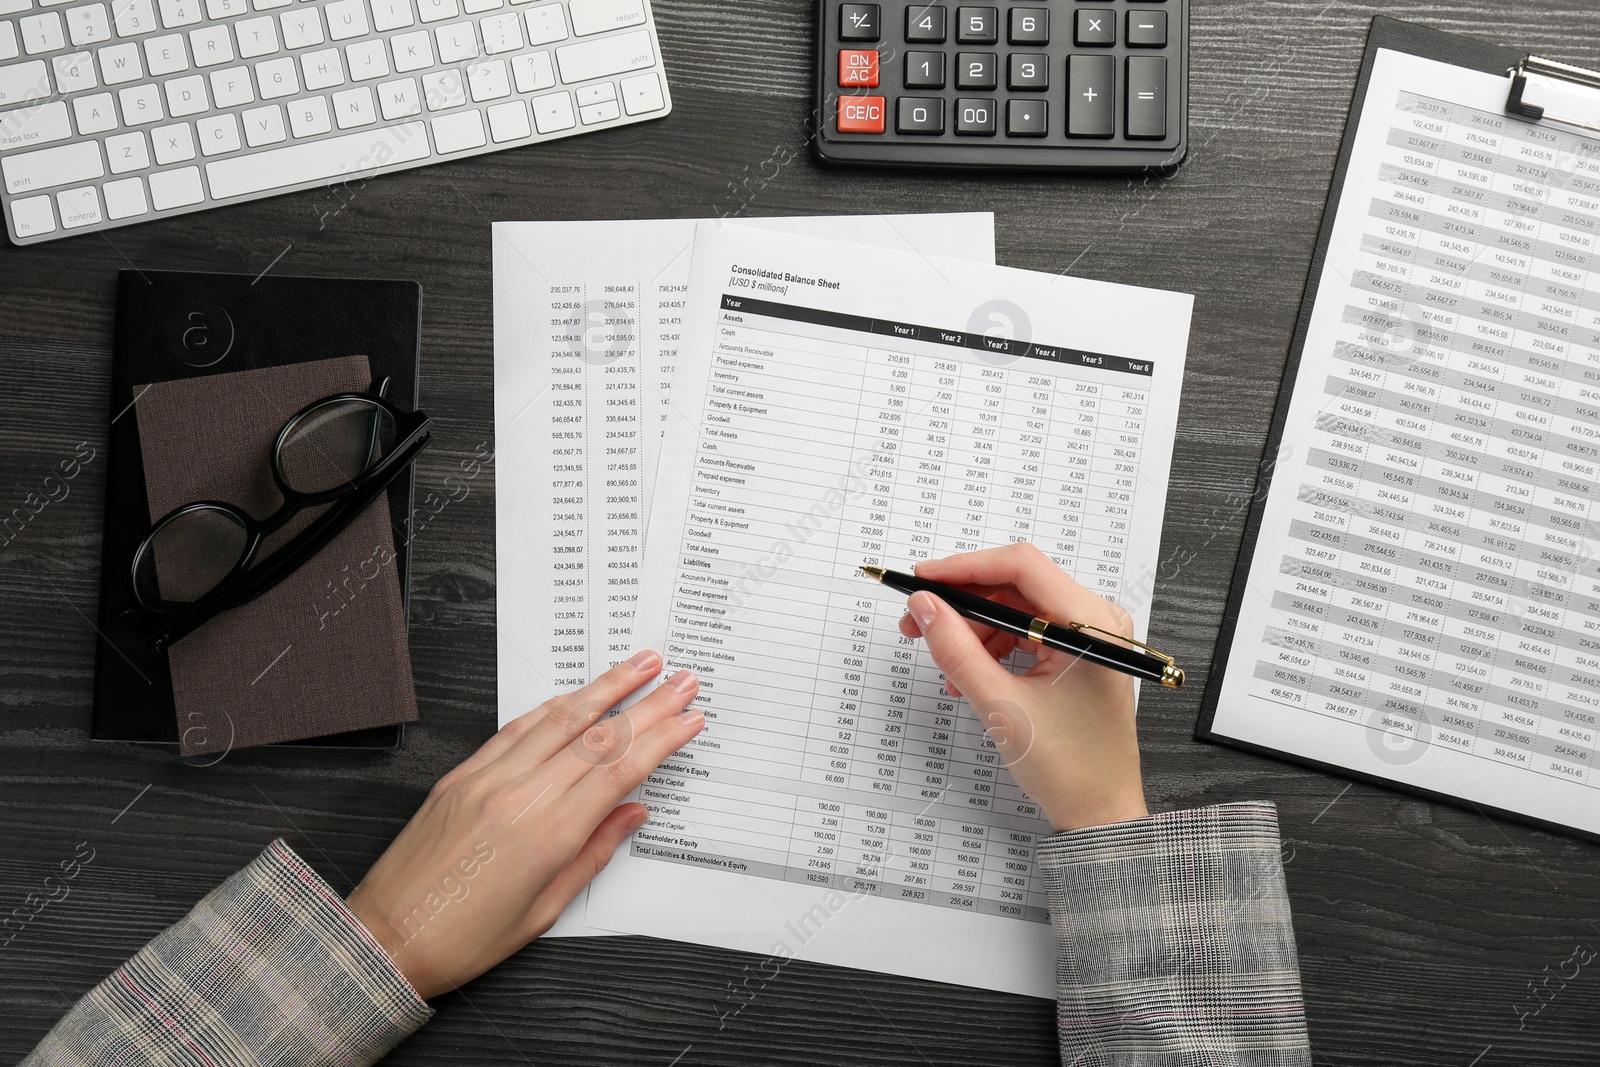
column 858, row 68
column 861, row 114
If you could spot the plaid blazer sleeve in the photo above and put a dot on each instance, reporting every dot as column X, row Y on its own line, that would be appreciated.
column 1174, row 945
column 270, row 968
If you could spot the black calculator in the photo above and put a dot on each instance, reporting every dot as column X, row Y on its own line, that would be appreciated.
column 1044, row 85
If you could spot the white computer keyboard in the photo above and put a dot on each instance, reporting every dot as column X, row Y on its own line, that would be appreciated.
column 121, row 111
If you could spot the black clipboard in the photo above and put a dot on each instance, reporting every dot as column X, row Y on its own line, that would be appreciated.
column 176, row 324
column 1465, row 52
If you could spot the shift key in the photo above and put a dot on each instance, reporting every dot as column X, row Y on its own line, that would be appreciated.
column 606, row 56
column 52, row 166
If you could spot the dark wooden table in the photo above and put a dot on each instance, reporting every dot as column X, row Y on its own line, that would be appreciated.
column 1423, row 929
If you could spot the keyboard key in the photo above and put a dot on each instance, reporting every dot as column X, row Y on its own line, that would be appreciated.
column 605, row 56
column 173, row 144
column 501, row 33
column 33, row 217
column 89, row 25
column 1029, row 25
column 128, row 152
column 119, row 64
column 133, row 17
column 924, row 70
column 602, row 112
column 226, row 9
column 322, row 69
column 66, row 164
column 488, row 81
column 217, row 134
column 457, row 42
column 74, row 73
column 264, row 126
column 1147, row 97
column 140, row 104
column 976, row 70
column 301, row 28
column 368, row 60
column 277, row 77
column 175, row 15
column 392, row 15
column 437, row 10
column 270, row 5
column 166, row 55
column 977, row 25
column 9, row 48
column 444, row 89
column 42, row 33
column 975, row 118
column 1096, row 27
column 347, row 19
column 552, row 113
column 412, row 51
column 594, row 94
column 478, row 7
column 919, row 115
column 597, row 16
column 533, row 72
column 231, row 87
column 1147, row 29
column 354, row 108
column 642, row 94
column 125, row 199
column 1027, row 118
column 95, row 114
column 187, row 96
column 310, row 117
column 509, row 122
column 13, row 7
column 178, row 188
column 926, row 25
column 212, row 46
column 257, row 37
column 79, row 207
column 459, row 132
column 1091, row 96
column 36, row 124
column 1028, row 72
column 858, row 68
column 546, row 24
column 399, row 99
column 860, row 22
column 861, row 114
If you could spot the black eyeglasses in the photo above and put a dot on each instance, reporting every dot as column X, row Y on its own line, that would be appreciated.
column 200, row 560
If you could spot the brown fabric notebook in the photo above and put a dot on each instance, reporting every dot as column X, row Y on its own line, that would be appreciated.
column 325, row 651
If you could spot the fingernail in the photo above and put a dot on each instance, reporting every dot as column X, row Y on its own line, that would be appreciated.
column 683, row 681
column 692, row 718
column 639, row 820
column 924, row 608
column 648, row 660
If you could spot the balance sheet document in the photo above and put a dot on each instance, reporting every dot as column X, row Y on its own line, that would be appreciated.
column 834, row 406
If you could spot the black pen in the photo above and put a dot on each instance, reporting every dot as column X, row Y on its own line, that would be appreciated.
column 1141, row 661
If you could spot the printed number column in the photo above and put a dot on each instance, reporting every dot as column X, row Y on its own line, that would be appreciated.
column 569, row 490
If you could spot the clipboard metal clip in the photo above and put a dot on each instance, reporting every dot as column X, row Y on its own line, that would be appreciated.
column 1518, row 105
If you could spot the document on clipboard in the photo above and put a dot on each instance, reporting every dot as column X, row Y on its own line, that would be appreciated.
column 1418, row 597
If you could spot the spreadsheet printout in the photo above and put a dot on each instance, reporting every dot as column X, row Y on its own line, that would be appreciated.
column 1423, row 603
column 836, row 406
column 587, row 321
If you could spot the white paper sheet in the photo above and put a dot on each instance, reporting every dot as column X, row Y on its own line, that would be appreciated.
column 840, row 806
column 1423, row 603
column 587, row 320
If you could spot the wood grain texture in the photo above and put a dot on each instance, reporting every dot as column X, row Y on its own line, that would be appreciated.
column 1420, row 926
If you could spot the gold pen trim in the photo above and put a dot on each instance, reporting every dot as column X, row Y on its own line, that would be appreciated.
column 1036, row 630
column 1172, row 675
column 875, row 573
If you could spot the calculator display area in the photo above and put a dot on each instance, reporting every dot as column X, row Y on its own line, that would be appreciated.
column 1046, row 84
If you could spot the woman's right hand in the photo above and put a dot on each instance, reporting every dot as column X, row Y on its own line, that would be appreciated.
column 1066, row 729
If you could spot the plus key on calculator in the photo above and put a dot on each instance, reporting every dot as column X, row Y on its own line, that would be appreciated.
column 1046, row 84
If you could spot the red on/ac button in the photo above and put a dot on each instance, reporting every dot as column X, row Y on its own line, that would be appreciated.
column 861, row 114
column 858, row 68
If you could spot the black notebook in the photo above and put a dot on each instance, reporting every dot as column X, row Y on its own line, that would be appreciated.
column 205, row 368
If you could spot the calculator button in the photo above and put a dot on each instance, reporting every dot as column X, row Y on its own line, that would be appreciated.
column 977, row 25
column 1091, row 96
column 975, row 118
column 1027, row 118
column 1029, row 25
column 975, row 70
column 919, row 115
column 858, row 68
column 925, row 25
column 1147, row 29
column 1097, row 27
column 1147, row 97
column 924, row 70
column 859, row 22
column 1028, row 72
column 861, row 114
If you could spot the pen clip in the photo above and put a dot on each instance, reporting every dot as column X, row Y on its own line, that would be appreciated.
column 1154, row 653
